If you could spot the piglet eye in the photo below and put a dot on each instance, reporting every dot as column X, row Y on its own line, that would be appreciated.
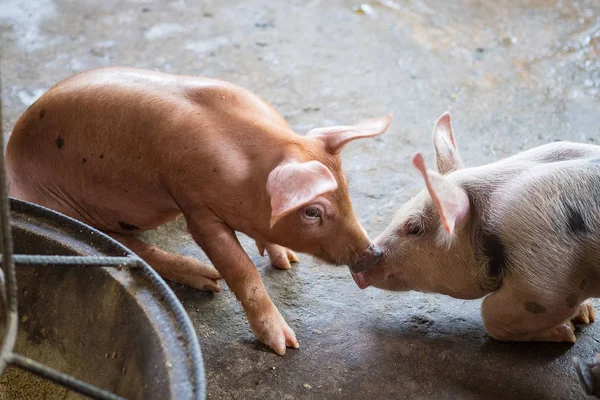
column 414, row 229
column 312, row 212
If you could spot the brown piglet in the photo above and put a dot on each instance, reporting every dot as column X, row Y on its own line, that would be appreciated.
column 126, row 150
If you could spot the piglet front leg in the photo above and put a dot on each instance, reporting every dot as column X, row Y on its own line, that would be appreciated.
column 227, row 255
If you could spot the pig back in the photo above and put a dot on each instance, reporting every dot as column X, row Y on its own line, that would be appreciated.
column 548, row 219
column 98, row 142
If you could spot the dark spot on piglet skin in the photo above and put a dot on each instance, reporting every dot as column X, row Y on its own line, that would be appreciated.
column 534, row 308
column 583, row 284
column 572, row 300
column 83, row 160
column 101, row 155
column 128, row 227
column 42, row 112
column 575, row 221
column 60, row 142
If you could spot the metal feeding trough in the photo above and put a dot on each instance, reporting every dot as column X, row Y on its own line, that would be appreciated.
column 82, row 315
column 118, row 328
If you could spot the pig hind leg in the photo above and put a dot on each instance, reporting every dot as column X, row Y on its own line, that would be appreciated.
column 585, row 314
column 174, row 267
column 519, row 315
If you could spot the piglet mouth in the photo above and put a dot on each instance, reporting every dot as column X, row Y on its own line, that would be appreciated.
column 368, row 259
column 360, row 279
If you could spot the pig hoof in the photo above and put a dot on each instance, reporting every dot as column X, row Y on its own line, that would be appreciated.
column 190, row 272
column 292, row 257
column 275, row 333
column 281, row 257
column 586, row 313
column 564, row 333
column 208, row 285
column 281, row 338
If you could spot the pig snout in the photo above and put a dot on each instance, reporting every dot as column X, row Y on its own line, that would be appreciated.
column 367, row 259
column 374, row 272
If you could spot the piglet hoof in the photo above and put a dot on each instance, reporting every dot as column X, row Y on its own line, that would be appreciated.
column 193, row 273
column 281, row 257
column 272, row 330
column 586, row 313
column 563, row 333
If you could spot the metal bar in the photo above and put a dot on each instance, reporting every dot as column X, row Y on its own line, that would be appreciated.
column 12, row 319
column 86, row 261
column 67, row 381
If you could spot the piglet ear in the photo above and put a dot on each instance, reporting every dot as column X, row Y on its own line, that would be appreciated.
column 451, row 201
column 446, row 153
column 335, row 137
column 294, row 184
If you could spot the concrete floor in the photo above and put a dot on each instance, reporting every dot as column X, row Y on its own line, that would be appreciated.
column 514, row 73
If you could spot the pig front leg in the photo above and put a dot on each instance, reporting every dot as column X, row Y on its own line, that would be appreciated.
column 174, row 267
column 279, row 256
column 515, row 315
column 224, row 250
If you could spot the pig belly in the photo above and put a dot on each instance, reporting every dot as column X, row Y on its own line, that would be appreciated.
column 106, row 209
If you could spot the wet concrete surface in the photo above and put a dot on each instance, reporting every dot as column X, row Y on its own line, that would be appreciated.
column 514, row 74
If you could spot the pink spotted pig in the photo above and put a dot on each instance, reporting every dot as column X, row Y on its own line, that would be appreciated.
column 523, row 231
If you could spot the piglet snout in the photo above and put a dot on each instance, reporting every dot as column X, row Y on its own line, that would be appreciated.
column 367, row 259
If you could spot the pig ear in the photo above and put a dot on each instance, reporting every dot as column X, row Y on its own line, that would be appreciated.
column 446, row 153
column 451, row 201
column 335, row 137
column 294, row 184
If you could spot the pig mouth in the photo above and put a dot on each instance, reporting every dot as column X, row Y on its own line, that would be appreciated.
column 360, row 279
column 369, row 258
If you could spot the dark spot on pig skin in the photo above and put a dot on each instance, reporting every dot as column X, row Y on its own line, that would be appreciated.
column 83, row 160
column 583, row 284
column 215, row 169
column 42, row 112
column 534, row 308
column 494, row 251
column 575, row 221
column 101, row 155
column 128, row 227
column 572, row 300
column 60, row 142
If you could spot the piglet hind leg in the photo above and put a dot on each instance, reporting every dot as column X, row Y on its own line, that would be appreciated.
column 173, row 267
column 525, row 318
column 280, row 257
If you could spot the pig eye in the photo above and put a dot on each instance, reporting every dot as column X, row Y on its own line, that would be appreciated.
column 414, row 228
column 312, row 213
